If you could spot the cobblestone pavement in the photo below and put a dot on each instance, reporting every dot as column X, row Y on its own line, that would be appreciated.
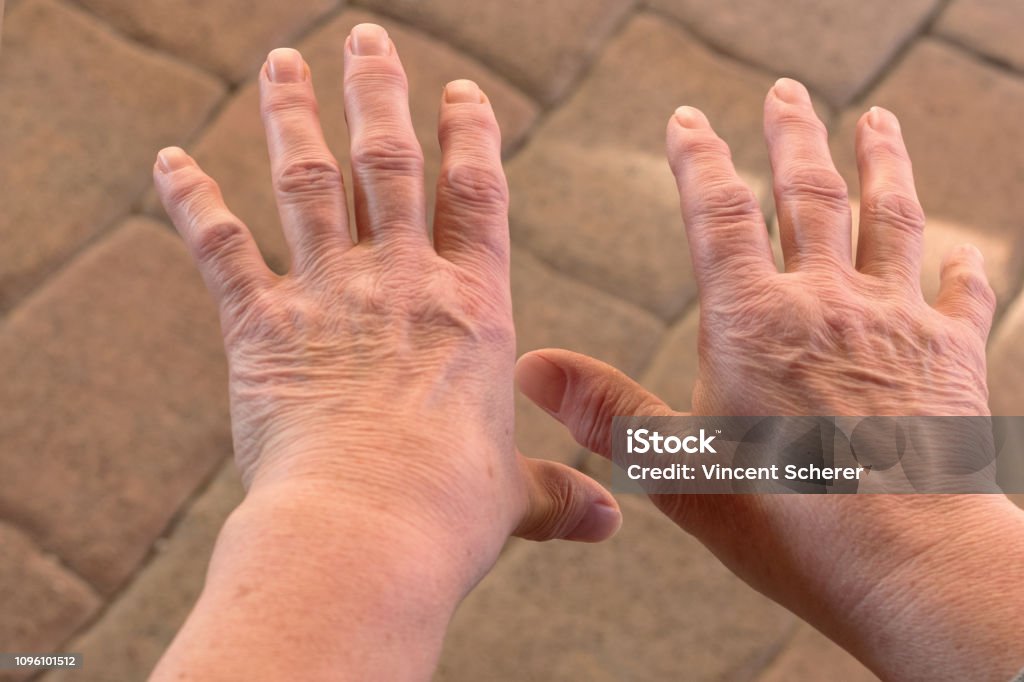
column 114, row 434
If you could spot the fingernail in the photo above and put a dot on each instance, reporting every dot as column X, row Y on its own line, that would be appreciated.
column 688, row 117
column 369, row 40
column 171, row 159
column 791, row 91
column 542, row 381
column 882, row 120
column 285, row 65
column 600, row 522
column 463, row 92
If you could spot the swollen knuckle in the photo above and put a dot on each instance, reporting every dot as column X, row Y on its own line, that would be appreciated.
column 885, row 150
column 217, row 239
column 476, row 183
column 703, row 146
column 727, row 201
column 976, row 286
column 309, row 176
column 189, row 190
column 799, row 124
column 474, row 125
column 387, row 152
column 814, row 182
column 895, row 209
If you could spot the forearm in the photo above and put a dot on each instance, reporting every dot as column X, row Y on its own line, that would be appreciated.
column 930, row 593
column 316, row 592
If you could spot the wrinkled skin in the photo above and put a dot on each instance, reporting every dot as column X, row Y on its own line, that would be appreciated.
column 377, row 373
column 832, row 335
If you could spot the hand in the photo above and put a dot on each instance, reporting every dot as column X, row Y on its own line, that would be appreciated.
column 826, row 337
column 373, row 383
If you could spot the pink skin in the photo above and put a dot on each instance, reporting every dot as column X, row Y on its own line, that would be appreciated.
column 371, row 387
column 829, row 336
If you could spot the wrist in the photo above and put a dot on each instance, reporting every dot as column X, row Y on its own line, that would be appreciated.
column 320, row 586
column 925, row 587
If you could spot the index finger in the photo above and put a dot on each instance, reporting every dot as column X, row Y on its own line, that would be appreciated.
column 724, row 226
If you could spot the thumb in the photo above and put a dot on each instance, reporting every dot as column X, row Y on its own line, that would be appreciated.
column 584, row 394
column 566, row 504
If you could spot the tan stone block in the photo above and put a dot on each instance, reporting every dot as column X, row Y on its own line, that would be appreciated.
column 992, row 27
column 593, row 194
column 84, row 113
column 538, row 45
column 230, row 38
column 43, row 602
column 836, row 47
column 114, row 401
column 138, row 626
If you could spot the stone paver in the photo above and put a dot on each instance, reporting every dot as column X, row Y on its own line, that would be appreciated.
column 128, row 640
column 540, row 46
column 961, row 121
column 43, row 603
column 114, row 402
column 229, row 38
column 835, row 46
column 593, row 195
column 992, row 27
column 233, row 149
column 114, row 398
column 651, row 604
column 552, row 310
column 812, row 656
column 84, row 112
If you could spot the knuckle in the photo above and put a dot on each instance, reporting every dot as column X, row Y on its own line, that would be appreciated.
column 894, row 209
column 476, row 183
column 886, row 150
column 976, row 286
column 387, row 151
column 309, row 176
column 212, row 241
column 190, row 191
column 474, row 124
column 278, row 103
column 701, row 147
column 818, row 183
column 799, row 123
column 726, row 201
column 376, row 80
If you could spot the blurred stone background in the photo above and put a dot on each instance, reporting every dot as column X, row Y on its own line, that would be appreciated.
column 114, row 435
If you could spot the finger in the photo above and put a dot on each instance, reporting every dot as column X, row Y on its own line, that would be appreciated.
column 387, row 162
column 724, row 225
column 891, row 218
column 223, row 248
column 964, row 291
column 471, row 218
column 566, row 504
column 307, row 181
column 584, row 394
column 810, row 195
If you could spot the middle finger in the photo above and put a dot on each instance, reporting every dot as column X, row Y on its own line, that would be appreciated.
column 387, row 161
column 810, row 195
